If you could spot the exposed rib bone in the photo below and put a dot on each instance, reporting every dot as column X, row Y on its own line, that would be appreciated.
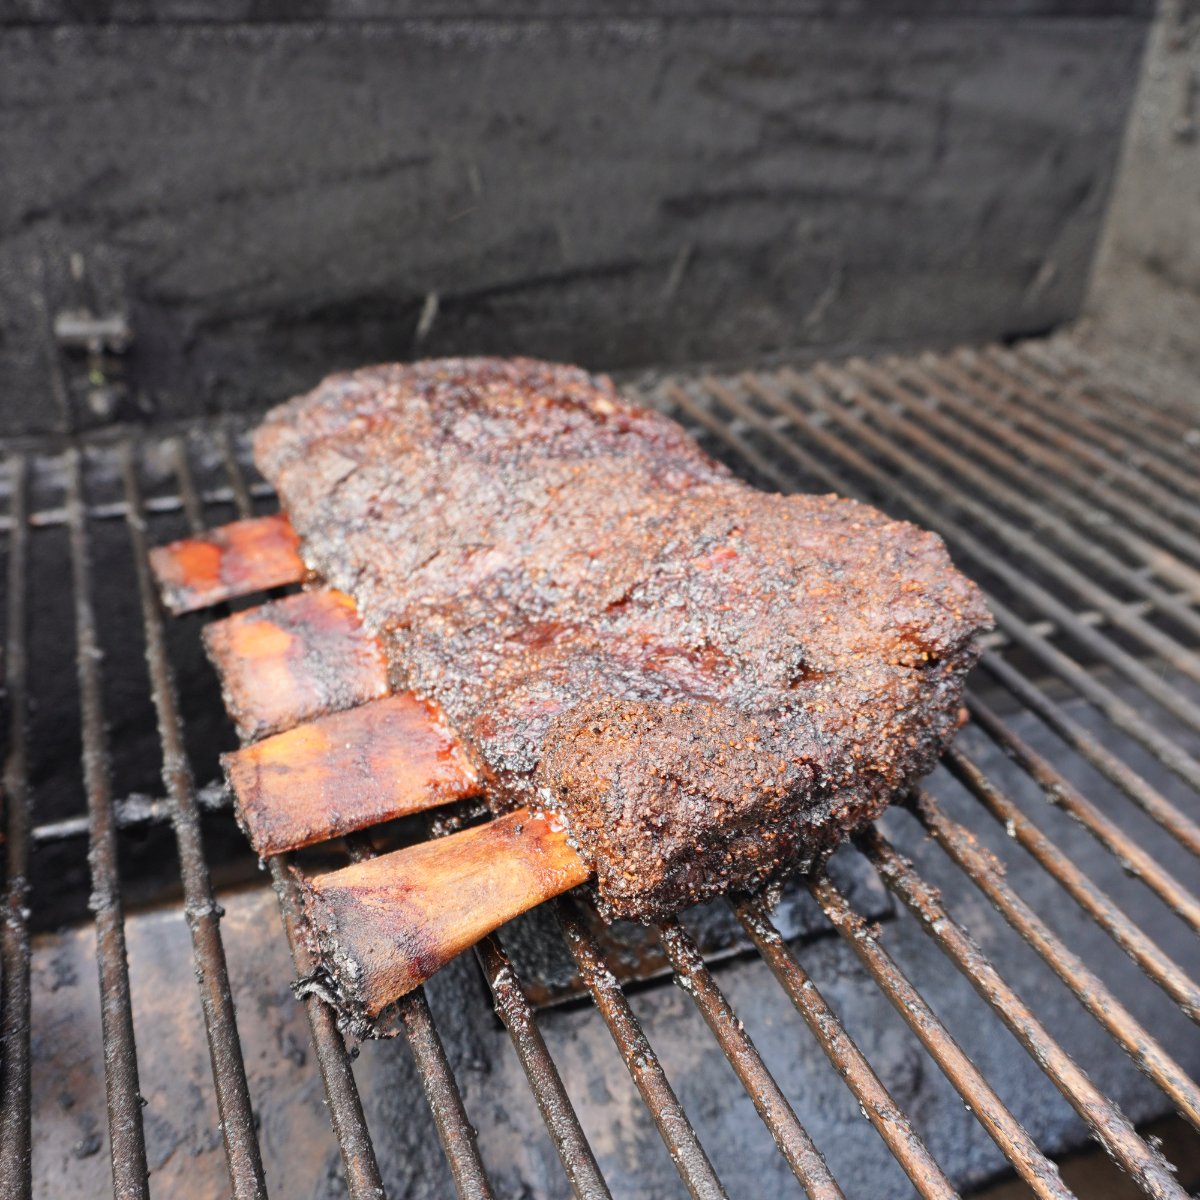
column 295, row 659
column 385, row 925
column 343, row 755
column 348, row 771
column 240, row 559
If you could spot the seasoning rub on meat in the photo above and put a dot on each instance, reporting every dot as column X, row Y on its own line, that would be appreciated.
column 709, row 684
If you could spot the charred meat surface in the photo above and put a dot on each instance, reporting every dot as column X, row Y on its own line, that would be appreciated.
column 711, row 684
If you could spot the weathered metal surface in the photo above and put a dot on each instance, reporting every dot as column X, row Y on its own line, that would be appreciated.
column 243, row 1153
column 14, row 932
column 265, row 199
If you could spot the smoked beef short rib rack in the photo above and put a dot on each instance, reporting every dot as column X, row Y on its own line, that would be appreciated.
column 330, row 750
column 743, row 679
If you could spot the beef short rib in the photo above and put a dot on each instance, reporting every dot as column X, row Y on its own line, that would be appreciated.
column 709, row 683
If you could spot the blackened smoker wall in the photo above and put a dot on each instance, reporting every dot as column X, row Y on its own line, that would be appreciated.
column 271, row 194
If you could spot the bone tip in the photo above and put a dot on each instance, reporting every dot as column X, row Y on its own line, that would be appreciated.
column 337, row 979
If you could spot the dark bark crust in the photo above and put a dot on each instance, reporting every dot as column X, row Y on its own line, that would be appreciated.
column 711, row 683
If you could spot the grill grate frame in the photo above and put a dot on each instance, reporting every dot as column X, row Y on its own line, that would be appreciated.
column 1113, row 475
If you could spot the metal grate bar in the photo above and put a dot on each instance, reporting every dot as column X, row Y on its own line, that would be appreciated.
column 806, row 1161
column 127, row 1142
column 203, row 914
column 243, row 493
column 1121, row 714
column 1004, row 1129
column 363, row 1180
column 454, row 1127
column 1026, row 407
column 975, row 429
column 676, row 1130
column 1094, row 420
column 513, row 1008
column 1157, row 965
column 1087, row 481
column 1109, row 1126
column 1016, row 403
column 1059, row 791
column 1064, row 365
column 1097, row 508
column 848, row 1060
column 1124, row 716
column 1148, row 798
column 55, row 517
column 986, row 873
column 1041, row 519
column 15, row 1167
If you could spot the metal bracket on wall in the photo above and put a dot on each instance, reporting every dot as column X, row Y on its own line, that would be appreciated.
column 100, row 376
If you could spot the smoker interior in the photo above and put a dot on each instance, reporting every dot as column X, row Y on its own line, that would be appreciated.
column 1005, row 967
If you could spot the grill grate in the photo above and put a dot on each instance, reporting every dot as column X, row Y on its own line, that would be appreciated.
column 1076, row 504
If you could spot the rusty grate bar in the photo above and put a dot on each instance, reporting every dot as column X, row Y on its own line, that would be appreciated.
column 1098, row 450
column 363, row 1180
column 676, row 1130
column 1101, row 513
column 988, row 876
column 1062, row 793
column 15, row 1177
column 1157, row 965
column 561, row 1120
column 242, row 1151
column 454, row 1128
column 980, row 1097
column 848, row 1060
column 1005, row 492
column 1109, row 1126
column 806, row 1161
column 1094, row 422
column 127, row 1141
column 981, row 403
column 1063, row 369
